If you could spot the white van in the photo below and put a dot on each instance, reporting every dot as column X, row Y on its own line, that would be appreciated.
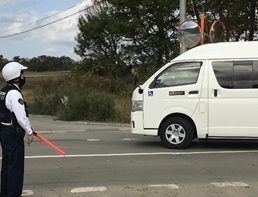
column 208, row 92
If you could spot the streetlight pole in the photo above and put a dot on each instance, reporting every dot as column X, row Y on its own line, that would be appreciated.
column 182, row 10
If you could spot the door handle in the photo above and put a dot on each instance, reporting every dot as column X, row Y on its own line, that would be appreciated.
column 215, row 93
column 193, row 92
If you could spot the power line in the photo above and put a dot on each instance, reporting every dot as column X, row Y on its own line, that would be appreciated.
column 42, row 19
column 6, row 36
column 20, row 6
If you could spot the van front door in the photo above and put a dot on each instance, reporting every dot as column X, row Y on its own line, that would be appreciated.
column 176, row 89
column 233, row 98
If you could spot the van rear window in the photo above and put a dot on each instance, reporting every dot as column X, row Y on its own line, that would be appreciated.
column 236, row 74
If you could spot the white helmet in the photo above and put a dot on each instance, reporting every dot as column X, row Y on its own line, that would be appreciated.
column 12, row 70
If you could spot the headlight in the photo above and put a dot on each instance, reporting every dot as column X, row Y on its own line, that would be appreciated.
column 137, row 106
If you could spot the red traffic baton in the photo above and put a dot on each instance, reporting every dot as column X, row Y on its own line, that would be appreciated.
column 60, row 151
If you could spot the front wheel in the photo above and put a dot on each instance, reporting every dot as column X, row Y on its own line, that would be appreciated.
column 176, row 133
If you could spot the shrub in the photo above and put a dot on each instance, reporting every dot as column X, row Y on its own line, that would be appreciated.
column 71, row 97
column 47, row 105
column 101, row 106
column 95, row 106
column 75, row 107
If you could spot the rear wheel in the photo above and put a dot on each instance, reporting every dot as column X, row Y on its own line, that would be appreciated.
column 176, row 133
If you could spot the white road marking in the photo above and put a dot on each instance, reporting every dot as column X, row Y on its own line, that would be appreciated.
column 171, row 186
column 105, row 124
column 88, row 189
column 93, row 140
column 59, row 131
column 128, row 139
column 139, row 154
column 27, row 192
column 230, row 184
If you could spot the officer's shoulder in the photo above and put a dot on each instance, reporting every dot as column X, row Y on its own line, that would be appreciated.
column 14, row 92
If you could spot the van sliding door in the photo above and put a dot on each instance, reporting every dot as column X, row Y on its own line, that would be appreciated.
column 233, row 98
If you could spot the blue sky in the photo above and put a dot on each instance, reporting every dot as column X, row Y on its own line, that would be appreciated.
column 57, row 39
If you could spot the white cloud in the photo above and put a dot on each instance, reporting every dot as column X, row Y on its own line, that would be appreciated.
column 56, row 38
column 8, row 1
column 64, row 30
column 50, row 50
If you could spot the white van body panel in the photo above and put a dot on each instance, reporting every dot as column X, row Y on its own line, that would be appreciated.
column 233, row 112
column 222, row 50
column 229, row 114
column 160, row 103
column 137, row 117
column 200, row 118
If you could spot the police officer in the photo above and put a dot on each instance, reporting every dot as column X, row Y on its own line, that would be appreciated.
column 14, row 125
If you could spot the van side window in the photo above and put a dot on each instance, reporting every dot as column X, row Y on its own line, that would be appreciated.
column 236, row 74
column 178, row 74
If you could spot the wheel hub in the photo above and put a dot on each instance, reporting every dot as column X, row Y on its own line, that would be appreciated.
column 175, row 134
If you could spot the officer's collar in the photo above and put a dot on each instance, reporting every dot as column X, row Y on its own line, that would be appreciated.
column 15, row 85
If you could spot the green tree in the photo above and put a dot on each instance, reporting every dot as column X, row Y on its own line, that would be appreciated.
column 143, row 33
column 131, row 33
column 99, row 41
column 239, row 16
column 50, row 63
column 3, row 61
column 150, row 26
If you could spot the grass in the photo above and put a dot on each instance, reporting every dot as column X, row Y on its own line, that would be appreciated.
column 50, row 87
column 123, row 108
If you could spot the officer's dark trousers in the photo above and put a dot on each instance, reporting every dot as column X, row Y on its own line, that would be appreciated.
column 12, row 163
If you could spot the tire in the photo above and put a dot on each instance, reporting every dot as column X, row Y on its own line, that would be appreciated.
column 176, row 133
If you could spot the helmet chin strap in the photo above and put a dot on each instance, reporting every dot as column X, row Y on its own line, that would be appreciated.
column 16, row 81
column 21, row 82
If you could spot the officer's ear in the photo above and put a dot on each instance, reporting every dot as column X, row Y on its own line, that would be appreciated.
column 14, row 81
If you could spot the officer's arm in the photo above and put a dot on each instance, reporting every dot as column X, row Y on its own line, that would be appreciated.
column 15, row 103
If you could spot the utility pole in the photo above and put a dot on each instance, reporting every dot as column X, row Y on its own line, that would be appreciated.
column 182, row 10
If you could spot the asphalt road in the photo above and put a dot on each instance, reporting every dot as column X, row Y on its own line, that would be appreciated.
column 106, row 160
